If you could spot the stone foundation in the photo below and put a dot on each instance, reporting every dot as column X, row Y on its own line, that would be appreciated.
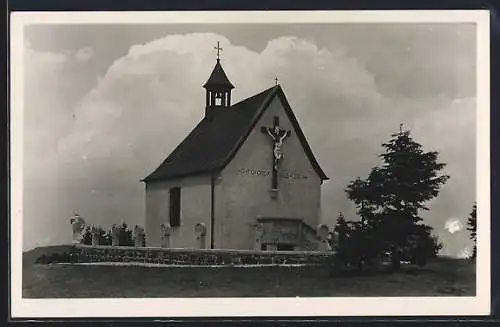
column 201, row 257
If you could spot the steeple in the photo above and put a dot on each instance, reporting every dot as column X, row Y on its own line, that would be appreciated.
column 218, row 87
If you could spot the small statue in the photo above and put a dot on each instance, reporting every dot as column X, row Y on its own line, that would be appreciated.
column 259, row 232
column 139, row 236
column 200, row 230
column 166, row 231
column 115, row 235
column 96, row 233
column 322, row 232
column 78, row 225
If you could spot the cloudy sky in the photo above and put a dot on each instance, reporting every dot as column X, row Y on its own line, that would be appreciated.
column 105, row 104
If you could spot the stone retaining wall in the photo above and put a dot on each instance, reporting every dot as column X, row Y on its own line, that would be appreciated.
column 202, row 257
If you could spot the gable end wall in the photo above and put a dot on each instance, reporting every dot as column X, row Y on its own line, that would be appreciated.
column 242, row 194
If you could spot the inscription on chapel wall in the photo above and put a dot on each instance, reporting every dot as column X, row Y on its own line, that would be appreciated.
column 284, row 174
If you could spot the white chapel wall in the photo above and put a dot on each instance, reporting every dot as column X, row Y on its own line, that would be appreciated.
column 195, row 208
column 242, row 194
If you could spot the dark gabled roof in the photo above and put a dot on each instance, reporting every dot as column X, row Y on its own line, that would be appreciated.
column 218, row 78
column 214, row 142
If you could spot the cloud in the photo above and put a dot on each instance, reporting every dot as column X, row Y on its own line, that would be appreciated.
column 430, row 57
column 150, row 98
column 43, row 60
column 51, row 89
column 465, row 253
column 453, row 225
column 84, row 54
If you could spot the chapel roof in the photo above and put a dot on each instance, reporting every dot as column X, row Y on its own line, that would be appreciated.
column 214, row 142
column 218, row 78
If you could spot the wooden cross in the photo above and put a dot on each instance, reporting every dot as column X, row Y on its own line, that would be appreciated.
column 219, row 49
column 277, row 135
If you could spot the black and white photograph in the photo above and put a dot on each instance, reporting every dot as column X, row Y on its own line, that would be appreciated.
column 250, row 163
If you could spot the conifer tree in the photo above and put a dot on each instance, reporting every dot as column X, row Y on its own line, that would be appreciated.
column 472, row 228
column 342, row 247
column 393, row 195
column 87, row 236
column 126, row 236
column 341, row 230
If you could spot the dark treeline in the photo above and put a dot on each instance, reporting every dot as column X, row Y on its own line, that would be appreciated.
column 472, row 228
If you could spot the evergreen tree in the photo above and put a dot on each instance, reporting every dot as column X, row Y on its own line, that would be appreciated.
column 392, row 196
column 421, row 246
column 102, row 236
column 362, row 194
column 87, row 236
column 126, row 236
column 341, row 227
column 342, row 248
column 341, row 230
column 472, row 228
column 355, row 246
column 106, row 238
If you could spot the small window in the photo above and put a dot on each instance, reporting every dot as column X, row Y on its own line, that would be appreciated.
column 218, row 101
column 175, row 207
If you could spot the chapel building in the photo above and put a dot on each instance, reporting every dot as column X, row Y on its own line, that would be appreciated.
column 244, row 178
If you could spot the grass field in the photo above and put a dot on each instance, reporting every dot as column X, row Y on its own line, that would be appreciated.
column 442, row 277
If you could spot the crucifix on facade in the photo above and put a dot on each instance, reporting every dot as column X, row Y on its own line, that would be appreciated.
column 277, row 135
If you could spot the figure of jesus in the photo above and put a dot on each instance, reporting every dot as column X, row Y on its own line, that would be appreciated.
column 277, row 135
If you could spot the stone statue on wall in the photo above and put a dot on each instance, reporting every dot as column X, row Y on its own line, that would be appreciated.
column 78, row 225
column 96, row 233
column 322, row 232
column 200, row 229
column 139, row 236
column 258, row 233
column 166, row 231
column 115, row 235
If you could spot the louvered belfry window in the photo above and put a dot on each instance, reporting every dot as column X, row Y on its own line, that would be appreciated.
column 218, row 99
column 175, row 206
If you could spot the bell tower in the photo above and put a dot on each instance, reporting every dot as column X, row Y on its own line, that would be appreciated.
column 218, row 87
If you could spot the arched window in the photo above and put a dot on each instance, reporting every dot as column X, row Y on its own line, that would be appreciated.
column 218, row 99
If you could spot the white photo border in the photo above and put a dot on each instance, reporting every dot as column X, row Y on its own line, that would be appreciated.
column 252, row 307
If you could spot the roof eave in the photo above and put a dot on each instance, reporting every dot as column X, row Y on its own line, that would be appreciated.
column 225, row 85
column 277, row 90
column 301, row 135
column 242, row 139
column 177, row 176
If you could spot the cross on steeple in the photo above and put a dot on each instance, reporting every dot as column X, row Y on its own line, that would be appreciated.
column 276, row 80
column 218, row 87
column 219, row 49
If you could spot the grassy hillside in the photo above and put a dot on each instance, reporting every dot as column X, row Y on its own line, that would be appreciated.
column 30, row 256
column 443, row 277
